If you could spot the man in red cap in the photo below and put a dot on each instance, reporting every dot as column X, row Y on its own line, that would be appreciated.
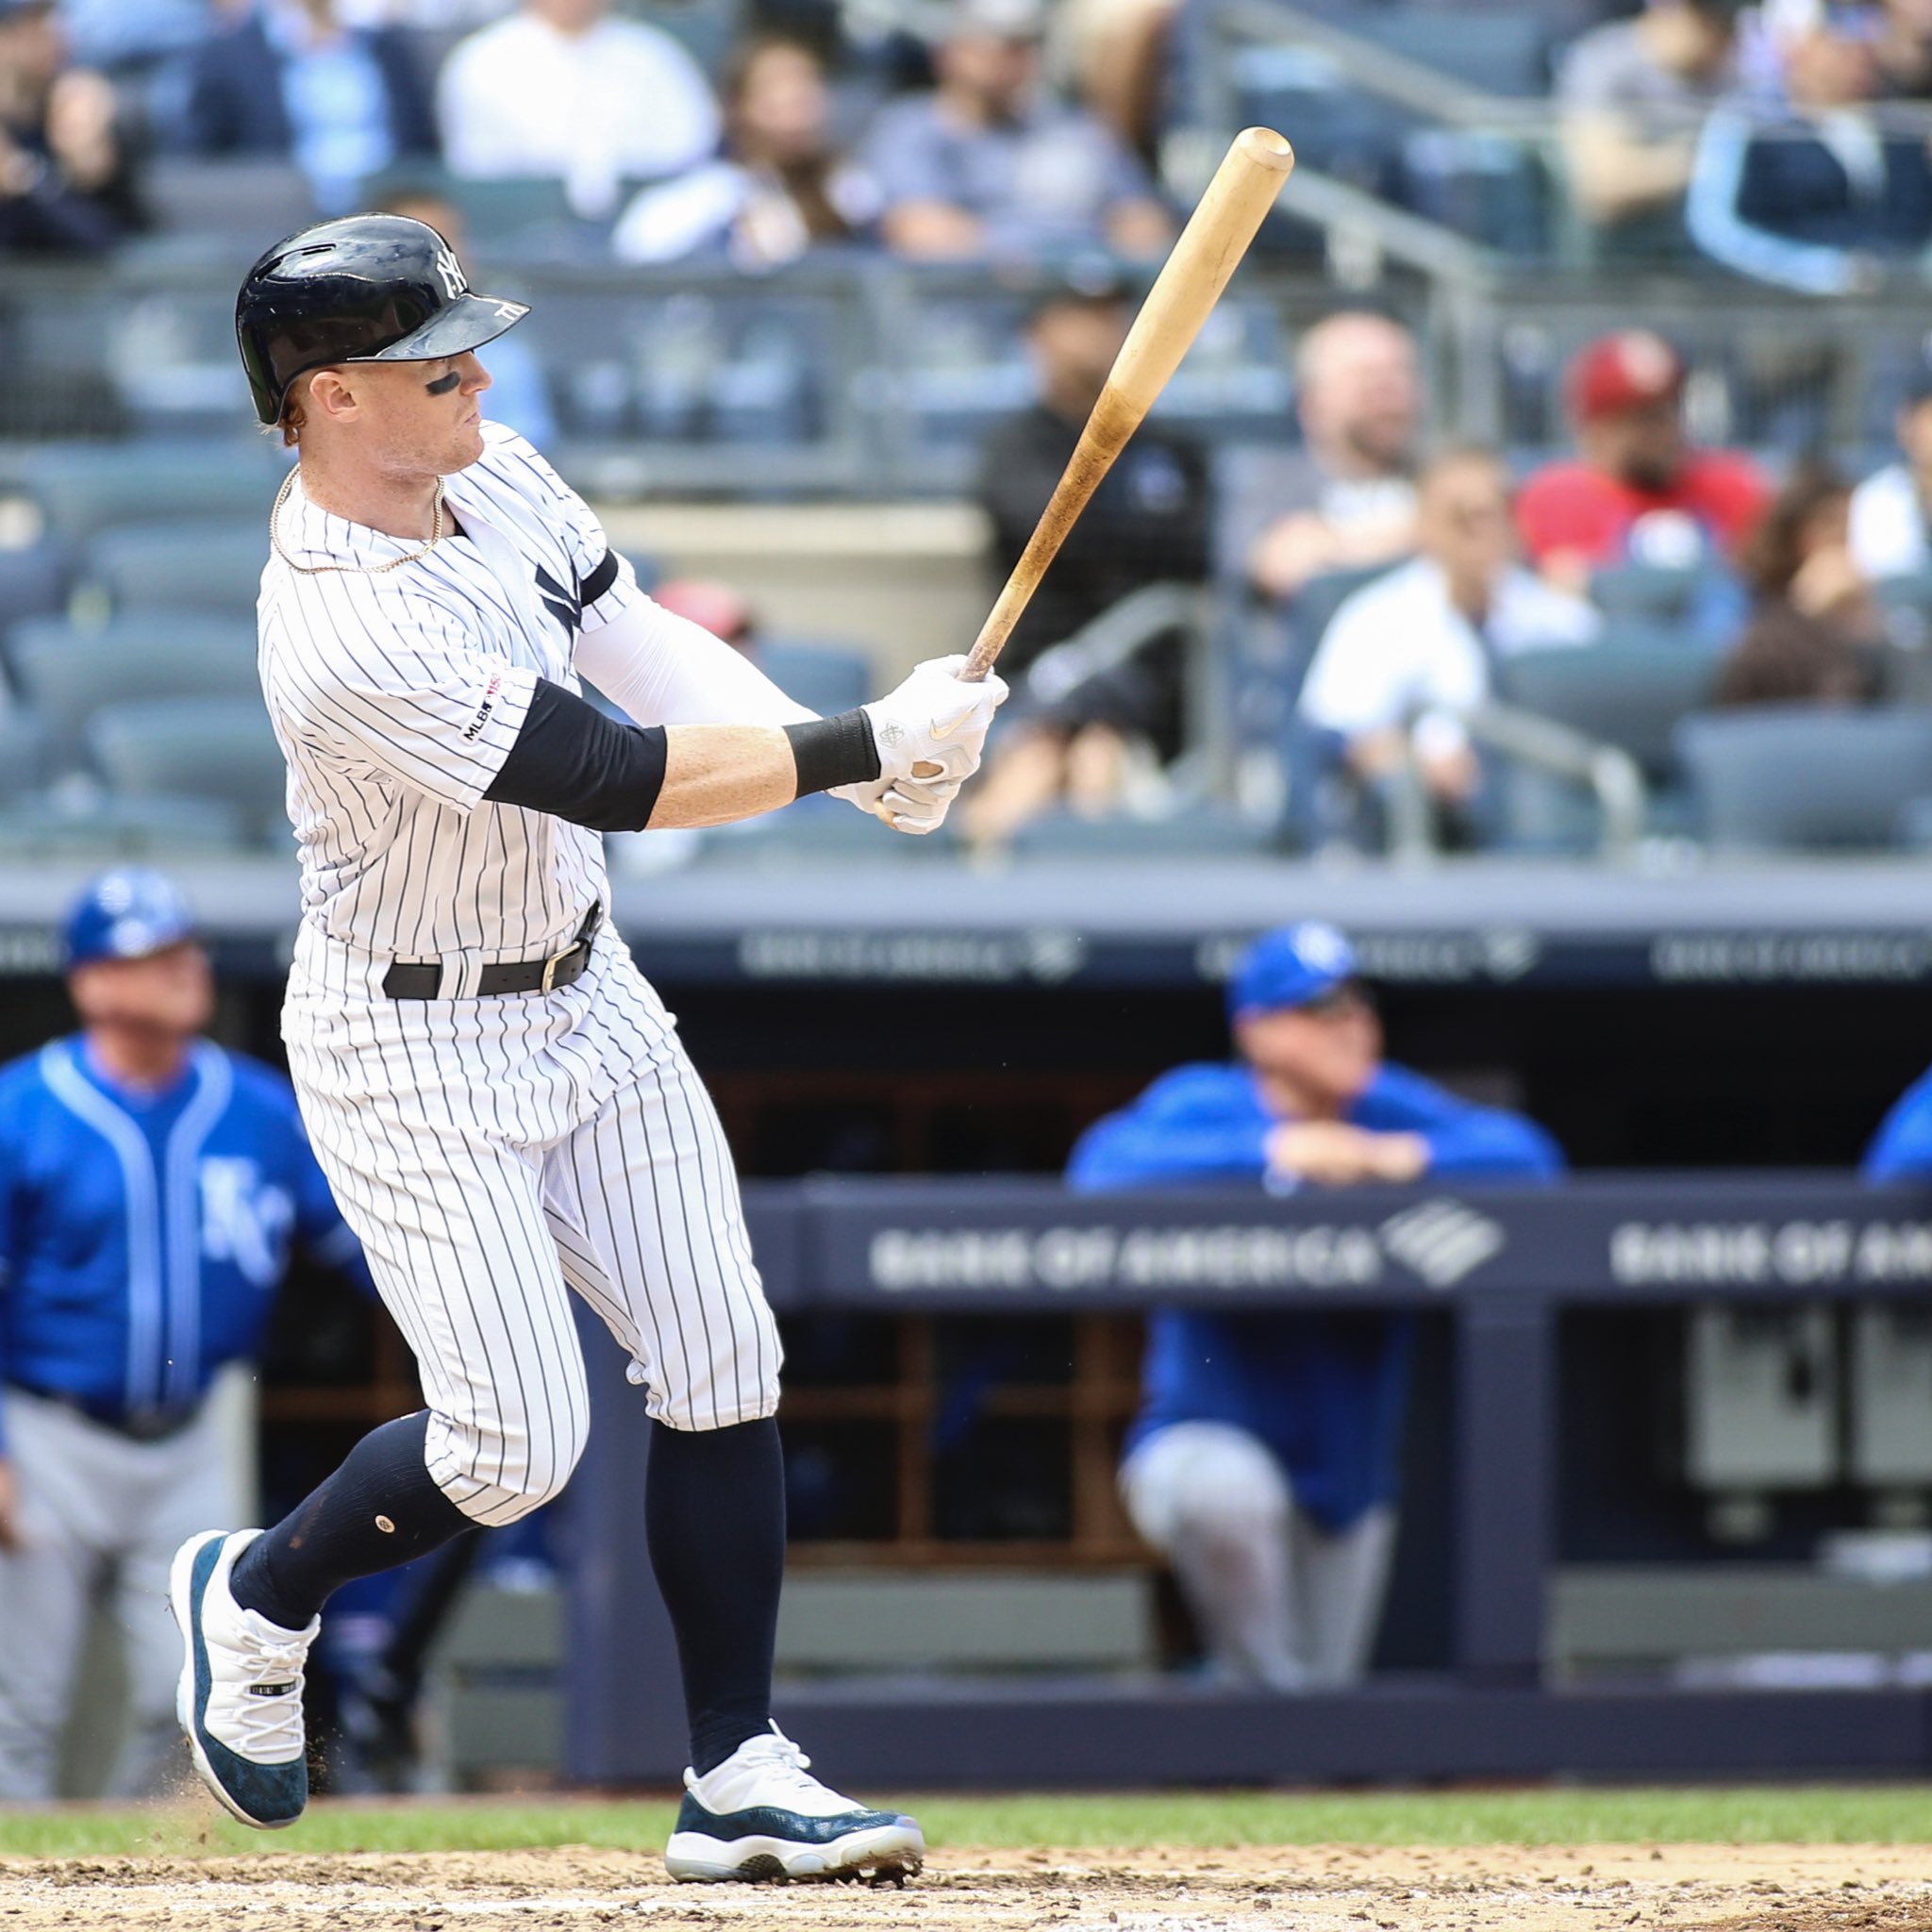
column 1635, row 493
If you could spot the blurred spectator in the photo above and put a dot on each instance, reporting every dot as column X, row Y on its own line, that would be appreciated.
column 1406, row 656
column 992, row 164
column 1265, row 1459
column 1115, row 54
column 561, row 90
column 132, row 33
column 131, row 1141
column 718, row 607
column 424, row 16
column 1889, row 516
column 66, row 178
column 1633, row 94
column 1635, row 493
column 519, row 393
column 1346, row 499
column 1905, row 49
column 288, row 79
column 780, row 187
column 1147, row 524
column 1815, row 635
column 1818, row 198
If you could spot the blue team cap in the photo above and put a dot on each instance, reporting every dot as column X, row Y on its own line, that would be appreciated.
column 126, row 914
column 1293, row 966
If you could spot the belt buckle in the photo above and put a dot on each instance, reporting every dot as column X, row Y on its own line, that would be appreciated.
column 551, row 964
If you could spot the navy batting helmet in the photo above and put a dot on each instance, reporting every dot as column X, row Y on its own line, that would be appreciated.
column 126, row 914
column 365, row 288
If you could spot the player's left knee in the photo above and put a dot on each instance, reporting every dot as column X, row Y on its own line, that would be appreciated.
column 504, row 1472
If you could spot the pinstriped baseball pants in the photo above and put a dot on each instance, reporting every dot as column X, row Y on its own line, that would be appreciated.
column 494, row 1154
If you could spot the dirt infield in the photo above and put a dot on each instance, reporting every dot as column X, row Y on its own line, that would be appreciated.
column 1323, row 1889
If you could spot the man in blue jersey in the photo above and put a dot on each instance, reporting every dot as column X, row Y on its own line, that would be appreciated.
column 1264, row 1463
column 1901, row 1150
column 151, row 1187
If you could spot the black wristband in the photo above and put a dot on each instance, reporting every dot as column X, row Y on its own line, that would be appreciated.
column 833, row 751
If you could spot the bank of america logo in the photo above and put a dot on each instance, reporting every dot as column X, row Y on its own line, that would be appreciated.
column 1442, row 1241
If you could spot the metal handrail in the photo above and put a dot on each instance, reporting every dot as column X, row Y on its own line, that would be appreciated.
column 1407, row 83
column 1608, row 771
column 1378, row 70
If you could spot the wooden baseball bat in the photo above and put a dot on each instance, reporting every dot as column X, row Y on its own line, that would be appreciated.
column 1190, row 283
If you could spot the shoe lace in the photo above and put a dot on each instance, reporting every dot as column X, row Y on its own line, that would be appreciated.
column 790, row 1765
column 270, row 1717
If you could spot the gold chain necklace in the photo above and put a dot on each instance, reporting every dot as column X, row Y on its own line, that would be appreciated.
column 373, row 570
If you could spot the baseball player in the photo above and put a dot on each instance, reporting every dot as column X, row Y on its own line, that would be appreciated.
column 151, row 1187
column 1263, row 1462
column 500, row 1100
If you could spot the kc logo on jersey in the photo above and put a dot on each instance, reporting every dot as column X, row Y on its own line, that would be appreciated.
column 243, row 1220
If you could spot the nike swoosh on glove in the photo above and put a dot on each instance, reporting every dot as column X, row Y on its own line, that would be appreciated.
column 933, row 728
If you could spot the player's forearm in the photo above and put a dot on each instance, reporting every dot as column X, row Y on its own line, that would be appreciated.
column 715, row 775
column 572, row 760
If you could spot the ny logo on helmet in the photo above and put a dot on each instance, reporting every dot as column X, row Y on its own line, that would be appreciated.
column 449, row 274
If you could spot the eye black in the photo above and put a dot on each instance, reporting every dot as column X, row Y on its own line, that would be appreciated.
column 443, row 384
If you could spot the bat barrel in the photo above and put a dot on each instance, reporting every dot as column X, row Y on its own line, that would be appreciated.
column 1190, row 283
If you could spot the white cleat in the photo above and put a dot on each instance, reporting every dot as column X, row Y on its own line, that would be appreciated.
column 761, row 1815
column 239, row 1699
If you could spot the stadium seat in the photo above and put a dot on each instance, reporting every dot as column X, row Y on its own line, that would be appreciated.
column 230, row 202
column 504, row 214
column 1496, row 51
column 95, row 829
column 1799, row 778
column 34, row 580
column 209, row 748
column 826, row 678
column 1201, row 831
column 67, row 672
column 214, row 564
column 83, row 488
column 1630, row 690
column 1648, row 592
column 22, row 753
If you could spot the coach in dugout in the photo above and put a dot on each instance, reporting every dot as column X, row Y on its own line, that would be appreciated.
column 1264, row 1463
column 151, row 1186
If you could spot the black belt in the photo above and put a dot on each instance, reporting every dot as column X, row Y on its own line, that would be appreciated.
column 424, row 982
column 138, row 1425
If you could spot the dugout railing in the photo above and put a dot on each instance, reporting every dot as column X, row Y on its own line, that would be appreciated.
column 1501, row 1266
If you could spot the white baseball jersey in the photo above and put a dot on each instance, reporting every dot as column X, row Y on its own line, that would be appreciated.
column 396, row 698
column 491, row 1152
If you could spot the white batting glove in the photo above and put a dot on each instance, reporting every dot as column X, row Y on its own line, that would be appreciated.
column 915, row 806
column 934, row 727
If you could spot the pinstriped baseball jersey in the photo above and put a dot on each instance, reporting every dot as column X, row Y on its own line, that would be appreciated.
column 494, row 1153
column 396, row 697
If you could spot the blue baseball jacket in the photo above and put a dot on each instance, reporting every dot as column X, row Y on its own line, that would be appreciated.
column 1901, row 1150
column 143, row 1237
column 1326, row 1392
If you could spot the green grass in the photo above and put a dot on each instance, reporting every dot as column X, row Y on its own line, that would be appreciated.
column 1890, row 1814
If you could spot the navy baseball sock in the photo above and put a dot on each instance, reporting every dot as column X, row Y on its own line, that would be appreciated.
column 379, row 1509
column 714, row 1518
